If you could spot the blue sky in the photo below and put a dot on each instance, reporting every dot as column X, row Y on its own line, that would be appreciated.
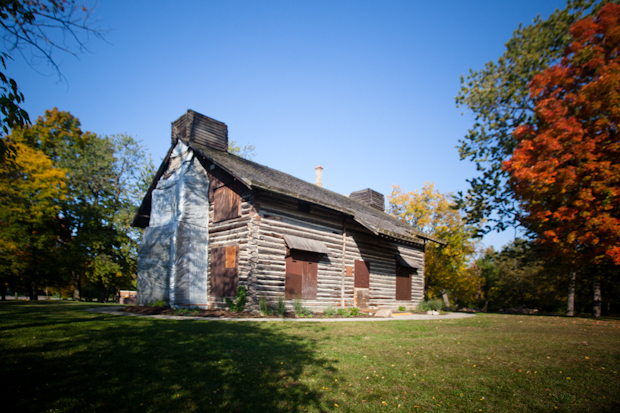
column 364, row 88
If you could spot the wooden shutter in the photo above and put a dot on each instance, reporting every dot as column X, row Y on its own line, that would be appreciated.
column 224, row 277
column 301, row 275
column 292, row 280
column 226, row 204
column 362, row 274
column 403, row 284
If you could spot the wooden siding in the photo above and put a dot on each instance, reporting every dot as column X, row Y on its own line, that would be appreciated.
column 241, row 232
column 279, row 215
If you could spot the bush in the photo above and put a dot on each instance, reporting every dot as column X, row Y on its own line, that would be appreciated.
column 354, row 311
column 240, row 299
column 159, row 303
column 401, row 308
column 329, row 311
column 344, row 312
column 281, row 306
column 306, row 312
column 264, row 306
column 436, row 304
column 297, row 306
column 423, row 306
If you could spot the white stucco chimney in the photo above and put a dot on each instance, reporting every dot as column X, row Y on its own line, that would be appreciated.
column 318, row 181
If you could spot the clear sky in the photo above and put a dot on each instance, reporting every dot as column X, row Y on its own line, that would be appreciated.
column 364, row 88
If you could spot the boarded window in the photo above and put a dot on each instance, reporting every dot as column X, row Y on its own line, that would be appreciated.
column 362, row 274
column 403, row 283
column 224, row 277
column 226, row 204
column 301, row 275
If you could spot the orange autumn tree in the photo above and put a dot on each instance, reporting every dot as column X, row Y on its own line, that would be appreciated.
column 565, row 170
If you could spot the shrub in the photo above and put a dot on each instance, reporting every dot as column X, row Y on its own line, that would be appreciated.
column 354, row 311
column 436, row 304
column 401, row 308
column 264, row 306
column 240, row 299
column 344, row 312
column 159, row 303
column 306, row 311
column 329, row 311
column 297, row 306
column 281, row 306
column 423, row 306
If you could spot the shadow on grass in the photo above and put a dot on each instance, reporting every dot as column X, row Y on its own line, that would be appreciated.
column 78, row 361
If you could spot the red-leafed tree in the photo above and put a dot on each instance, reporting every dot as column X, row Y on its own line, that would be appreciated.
column 565, row 170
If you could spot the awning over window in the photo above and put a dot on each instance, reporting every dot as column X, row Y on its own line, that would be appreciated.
column 406, row 262
column 305, row 244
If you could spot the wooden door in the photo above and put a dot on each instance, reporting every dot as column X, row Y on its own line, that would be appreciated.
column 223, row 276
column 403, row 284
column 301, row 275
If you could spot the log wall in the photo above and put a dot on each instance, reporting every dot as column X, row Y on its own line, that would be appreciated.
column 279, row 215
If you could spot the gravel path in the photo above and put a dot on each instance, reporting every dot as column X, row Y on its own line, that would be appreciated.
column 117, row 311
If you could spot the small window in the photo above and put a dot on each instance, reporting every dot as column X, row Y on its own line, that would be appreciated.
column 226, row 204
column 362, row 274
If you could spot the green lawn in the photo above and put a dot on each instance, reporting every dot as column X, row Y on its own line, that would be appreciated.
column 57, row 357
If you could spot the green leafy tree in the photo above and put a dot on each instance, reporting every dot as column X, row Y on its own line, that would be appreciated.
column 105, row 183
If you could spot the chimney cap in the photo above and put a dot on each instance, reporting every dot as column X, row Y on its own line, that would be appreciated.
column 319, row 166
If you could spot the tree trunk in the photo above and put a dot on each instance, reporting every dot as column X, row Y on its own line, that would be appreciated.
column 33, row 290
column 3, row 287
column 570, row 301
column 596, row 308
column 102, row 292
column 446, row 301
column 486, row 305
column 75, row 278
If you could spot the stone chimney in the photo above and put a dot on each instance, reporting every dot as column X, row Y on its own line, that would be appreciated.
column 318, row 180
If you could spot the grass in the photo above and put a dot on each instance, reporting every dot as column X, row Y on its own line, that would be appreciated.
column 56, row 357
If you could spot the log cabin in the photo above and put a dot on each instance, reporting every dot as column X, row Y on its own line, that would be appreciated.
column 214, row 221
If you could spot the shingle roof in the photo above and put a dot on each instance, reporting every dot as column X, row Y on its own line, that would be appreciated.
column 253, row 174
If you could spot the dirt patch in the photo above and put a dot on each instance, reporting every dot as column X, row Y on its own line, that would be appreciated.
column 144, row 310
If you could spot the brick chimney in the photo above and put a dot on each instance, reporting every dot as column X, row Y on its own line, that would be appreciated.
column 318, row 180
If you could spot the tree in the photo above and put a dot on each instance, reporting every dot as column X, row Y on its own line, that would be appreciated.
column 35, row 29
column 246, row 152
column 31, row 191
column 498, row 96
column 565, row 170
column 445, row 266
column 104, row 177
